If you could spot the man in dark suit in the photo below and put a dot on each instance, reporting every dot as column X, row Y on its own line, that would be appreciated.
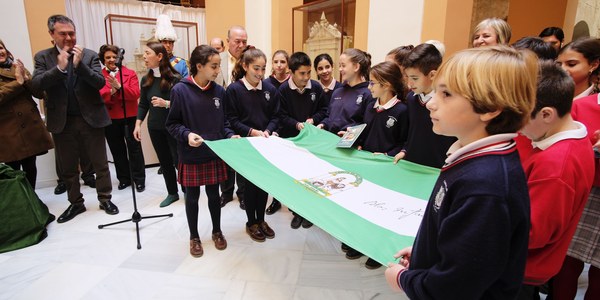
column 71, row 77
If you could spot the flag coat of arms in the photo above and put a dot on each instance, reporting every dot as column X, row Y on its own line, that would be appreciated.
column 364, row 200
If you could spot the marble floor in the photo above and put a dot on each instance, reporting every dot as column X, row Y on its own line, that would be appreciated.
column 79, row 261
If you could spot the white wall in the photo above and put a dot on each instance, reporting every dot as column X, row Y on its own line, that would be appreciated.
column 258, row 27
column 393, row 23
column 15, row 34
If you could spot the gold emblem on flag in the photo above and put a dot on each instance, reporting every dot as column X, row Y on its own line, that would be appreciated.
column 331, row 183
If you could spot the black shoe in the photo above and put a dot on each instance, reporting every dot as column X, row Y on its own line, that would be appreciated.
column 140, row 188
column 353, row 254
column 123, row 186
column 60, row 188
column 372, row 264
column 159, row 172
column 242, row 204
column 274, row 207
column 91, row 182
column 306, row 223
column 71, row 212
column 109, row 207
column 345, row 247
column 296, row 222
column 226, row 199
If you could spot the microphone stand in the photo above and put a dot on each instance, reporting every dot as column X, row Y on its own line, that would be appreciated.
column 135, row 217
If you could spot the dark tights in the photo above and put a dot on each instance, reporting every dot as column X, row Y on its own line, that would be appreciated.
column 565, row 282
column 191, row 208
column 256, row 203
column 28, row 165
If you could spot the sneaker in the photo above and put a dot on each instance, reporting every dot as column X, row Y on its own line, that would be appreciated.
column 170, row 199
column 372, row 264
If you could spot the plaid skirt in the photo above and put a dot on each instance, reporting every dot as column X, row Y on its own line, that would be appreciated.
column 207, row 173
column 585, row 244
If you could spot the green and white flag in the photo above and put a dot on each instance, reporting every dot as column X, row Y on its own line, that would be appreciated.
column 364, row 200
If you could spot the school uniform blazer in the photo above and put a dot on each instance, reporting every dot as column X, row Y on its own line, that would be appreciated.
column 88, row 82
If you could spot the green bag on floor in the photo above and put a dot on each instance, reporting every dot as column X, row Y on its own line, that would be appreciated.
column 23, row 217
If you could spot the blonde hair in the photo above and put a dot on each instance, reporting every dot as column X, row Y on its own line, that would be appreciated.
column 494, row 78
column 502, row 29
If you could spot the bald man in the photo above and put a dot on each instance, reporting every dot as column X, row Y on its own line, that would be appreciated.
column 237, row 40
column 218, row 44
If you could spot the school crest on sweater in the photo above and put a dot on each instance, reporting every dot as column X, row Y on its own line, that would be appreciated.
column 217, row 102
column 390, row 122
column 359, row 99
column 313, row 97
column 439, row 197
column 267, row 96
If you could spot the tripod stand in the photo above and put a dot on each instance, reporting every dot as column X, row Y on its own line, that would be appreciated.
column 135, row 217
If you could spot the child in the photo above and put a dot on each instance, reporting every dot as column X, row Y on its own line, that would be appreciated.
column 197, row 115
column 348, row 103
column 279, row 76
column 584, row 246
column 301, row 101
column 423, row 146
column 280, row 68
column 397, row 55
column 252, row 106
column 324, row 69
column 472, row 242
column 386, row 117
column 560, row 173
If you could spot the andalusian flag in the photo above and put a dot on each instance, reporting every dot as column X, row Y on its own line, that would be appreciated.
column 361, row 199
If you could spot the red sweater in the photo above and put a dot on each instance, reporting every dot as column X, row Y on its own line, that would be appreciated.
column 131, row 86
column 587, row 111
column 559, row 180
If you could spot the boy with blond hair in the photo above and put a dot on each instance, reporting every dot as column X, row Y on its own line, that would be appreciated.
column 472, row 243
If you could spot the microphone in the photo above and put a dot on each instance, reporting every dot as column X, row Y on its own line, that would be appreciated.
column 120, row 57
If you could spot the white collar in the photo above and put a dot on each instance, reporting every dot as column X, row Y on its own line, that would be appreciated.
column 156, row 72
column 425, row 98
column 331, row 85
column 293, row 86
column 112, row 73
column 249, row 86
column 203, row 88
column 490, row 143
column 587, row 92
column 387, row 105
column 579, row 133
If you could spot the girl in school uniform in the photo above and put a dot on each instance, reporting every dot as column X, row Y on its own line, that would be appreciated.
column 324, row 68
column 252, row 106
column 581, row 59
column 386, row 117
column 197, row 115
column 154, row 102
column 280, row 68
column 348, row 103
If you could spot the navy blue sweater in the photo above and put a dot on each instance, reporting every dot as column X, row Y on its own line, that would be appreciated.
column 423, row 146
column 329, row 93
column 347, row 107
column 472, row 243
column 251, row 109
column 296, row 107
column 274, row 82
column 200, row 112
column 387, row 130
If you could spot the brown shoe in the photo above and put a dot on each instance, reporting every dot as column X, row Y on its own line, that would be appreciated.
column 266, row 230
column 255, row 233
column 196, row 247
column 220, row 241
